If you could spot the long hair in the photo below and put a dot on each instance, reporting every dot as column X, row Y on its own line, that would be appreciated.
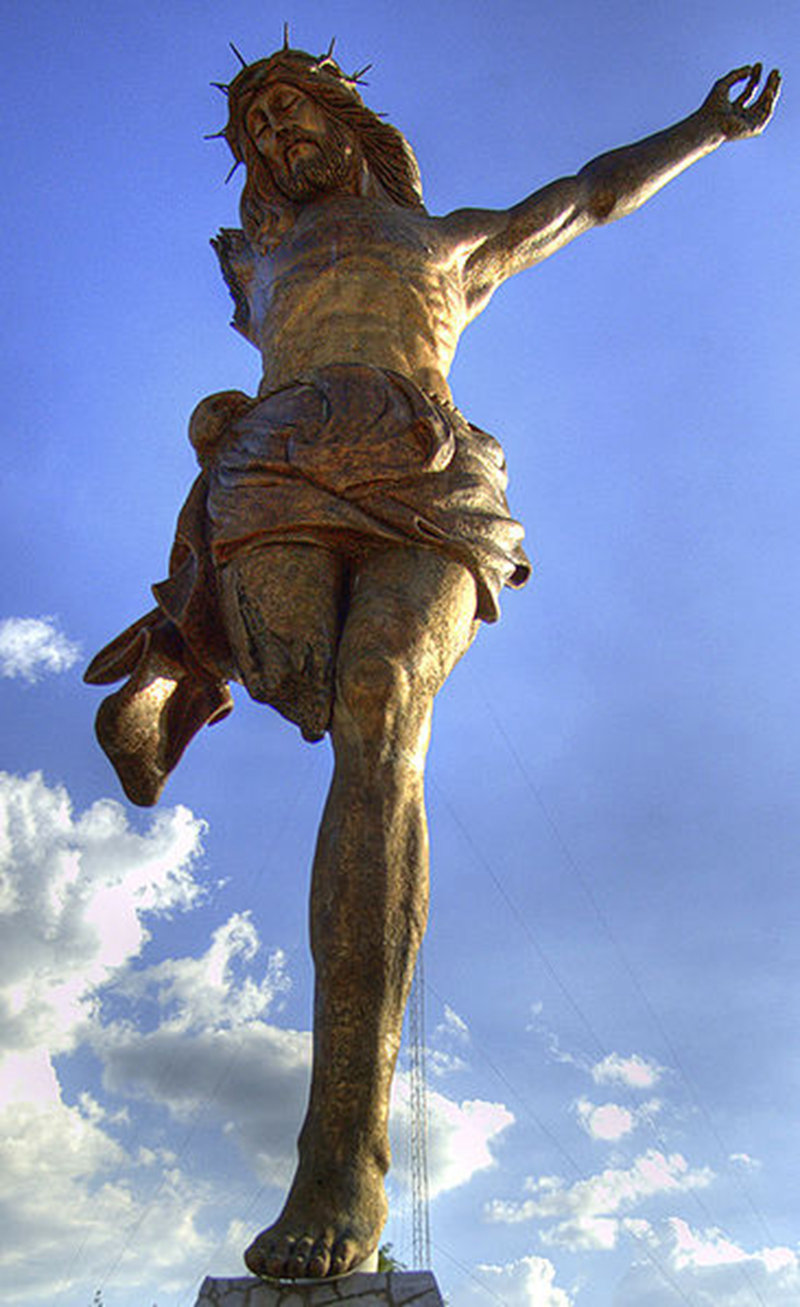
column 266, row 212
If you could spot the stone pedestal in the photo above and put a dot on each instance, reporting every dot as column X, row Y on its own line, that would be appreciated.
column 377, row 1289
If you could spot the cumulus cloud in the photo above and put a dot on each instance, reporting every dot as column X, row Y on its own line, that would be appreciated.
column 745, row 1160
column 529, row 1282
column 440, row 1062
column 453, row 1026
column 207, row 992
column 251, row 1081
column 636, row 1072
column 449, row 1036
column 74, row 893
column 550, row 1039
column 460, row 1136
column 708, row 1268
column 31, row 647
column 587, row 1212
column 610, row 1122
column 606, row 1121
column 73, row 1198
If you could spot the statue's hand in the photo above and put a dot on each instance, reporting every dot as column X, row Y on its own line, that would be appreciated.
column 744, row 116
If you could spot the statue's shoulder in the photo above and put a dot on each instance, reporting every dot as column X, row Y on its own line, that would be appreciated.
column 238, row 260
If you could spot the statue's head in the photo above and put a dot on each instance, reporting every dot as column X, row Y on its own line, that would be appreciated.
column 299, row 125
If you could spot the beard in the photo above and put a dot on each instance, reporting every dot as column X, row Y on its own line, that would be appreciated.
column 326, row 165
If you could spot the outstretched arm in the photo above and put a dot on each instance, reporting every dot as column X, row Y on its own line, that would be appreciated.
column 496, row 244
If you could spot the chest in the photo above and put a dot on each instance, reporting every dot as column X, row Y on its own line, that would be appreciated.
column 355, row 244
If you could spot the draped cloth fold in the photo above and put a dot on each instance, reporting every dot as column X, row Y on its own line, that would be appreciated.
column 350, row 456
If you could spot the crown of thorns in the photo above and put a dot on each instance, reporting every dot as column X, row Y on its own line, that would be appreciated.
column 293, row 66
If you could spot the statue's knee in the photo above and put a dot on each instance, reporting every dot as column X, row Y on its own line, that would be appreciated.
column 374, row 690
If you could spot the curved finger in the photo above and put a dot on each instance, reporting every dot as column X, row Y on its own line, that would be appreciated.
column 773, row 83
column 730, row 79
column 764, row 107
column 752, row 82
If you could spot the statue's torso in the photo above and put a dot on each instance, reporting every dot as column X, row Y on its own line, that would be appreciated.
column 356, row 280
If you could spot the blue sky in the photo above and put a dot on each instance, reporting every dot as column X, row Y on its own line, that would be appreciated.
column 612, row 961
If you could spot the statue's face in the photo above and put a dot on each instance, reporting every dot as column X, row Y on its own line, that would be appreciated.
column 308, row 152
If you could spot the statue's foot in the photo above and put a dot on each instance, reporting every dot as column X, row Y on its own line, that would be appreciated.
column 329, row 1226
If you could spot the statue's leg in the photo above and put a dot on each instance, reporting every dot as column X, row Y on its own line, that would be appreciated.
column 410, row 617
column 282, row 606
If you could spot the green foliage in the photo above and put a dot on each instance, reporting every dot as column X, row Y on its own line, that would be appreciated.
column 387, row 1262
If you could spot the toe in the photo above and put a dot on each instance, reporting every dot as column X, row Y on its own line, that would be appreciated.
column 343, row 1257
column 298, row 1261
column 319, row 1260
column 275, row 1256
column 254, row 1258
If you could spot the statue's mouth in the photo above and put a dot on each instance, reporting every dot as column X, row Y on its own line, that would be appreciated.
column 295, row 144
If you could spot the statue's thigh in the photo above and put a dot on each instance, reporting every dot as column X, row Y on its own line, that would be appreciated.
column 414, row 606
column 282, row 610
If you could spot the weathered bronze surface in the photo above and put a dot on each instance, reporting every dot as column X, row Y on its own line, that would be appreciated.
column 346, row 535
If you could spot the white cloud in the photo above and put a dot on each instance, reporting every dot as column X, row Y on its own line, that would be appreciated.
column 206, row 993
column 745, row 1160
column 529, row 1282
column 460, row 1136
column 636, row 1072
column 708, row 1268
column 74, row 891
column 606, row 1121
column 550, row 1039
column 452, row 1026
column 439, row 1063
column 251, row 1081
column 450, row 1035
column 30, row 647
column 76, row 1206
column 586, row 1212
column 611, row 1122
column 712, row 1248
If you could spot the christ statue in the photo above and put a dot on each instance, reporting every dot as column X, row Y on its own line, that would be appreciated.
column 346, row 537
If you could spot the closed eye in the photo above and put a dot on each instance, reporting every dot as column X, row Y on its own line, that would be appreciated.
column 256, row 121
column 282, row 101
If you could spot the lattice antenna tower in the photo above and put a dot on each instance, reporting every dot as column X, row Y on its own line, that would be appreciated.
column 420, row 1195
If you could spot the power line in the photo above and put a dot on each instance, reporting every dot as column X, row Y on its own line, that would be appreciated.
column 520, row 918
column 632, row 1234
column 627, row 966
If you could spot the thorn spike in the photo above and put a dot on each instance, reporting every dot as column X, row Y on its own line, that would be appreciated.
column 213, row 136
column 238, row 54
column 232, row 171
column 221, row 86
column 356, row 77
column 329, row 53
column 286, row 36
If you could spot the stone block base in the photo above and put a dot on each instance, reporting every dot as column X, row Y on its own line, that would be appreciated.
column 383, row 1289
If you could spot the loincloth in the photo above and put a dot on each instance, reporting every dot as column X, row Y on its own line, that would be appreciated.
column 351, row 457
column 356, row 455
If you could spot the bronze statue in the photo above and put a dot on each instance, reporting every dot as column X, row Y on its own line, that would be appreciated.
column 346, row 536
